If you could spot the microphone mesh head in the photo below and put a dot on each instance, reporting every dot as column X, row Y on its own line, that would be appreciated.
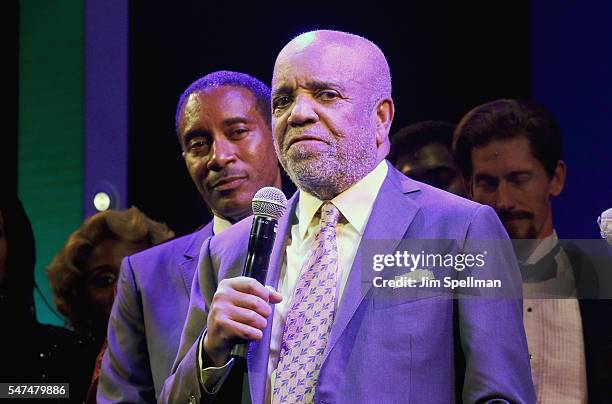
column 605, row 225
column 270, row 202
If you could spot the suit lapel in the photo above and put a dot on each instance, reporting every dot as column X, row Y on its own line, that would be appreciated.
column 391, row 215
column 258, row 352
column 188, row 266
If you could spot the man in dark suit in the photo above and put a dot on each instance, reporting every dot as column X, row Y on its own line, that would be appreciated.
column 510, row 153
column 223, row 125
column 324, row 329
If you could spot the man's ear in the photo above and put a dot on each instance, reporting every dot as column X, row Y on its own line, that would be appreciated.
column 385, row 110
column 558, row 180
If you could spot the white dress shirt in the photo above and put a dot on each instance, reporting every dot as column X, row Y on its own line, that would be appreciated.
column 554, row 332
column 220, row 224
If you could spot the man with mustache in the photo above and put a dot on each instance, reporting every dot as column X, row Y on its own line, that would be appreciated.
column 320, row 331
column 510, row 154
column 223, row 126
column 512, row 164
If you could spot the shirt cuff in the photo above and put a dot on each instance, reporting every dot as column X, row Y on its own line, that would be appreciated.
column 212, row 378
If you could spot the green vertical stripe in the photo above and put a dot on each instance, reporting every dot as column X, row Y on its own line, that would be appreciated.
column 51, row 122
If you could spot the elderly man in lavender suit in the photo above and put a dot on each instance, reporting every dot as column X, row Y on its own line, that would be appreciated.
column 223, row 125
column 320, row 330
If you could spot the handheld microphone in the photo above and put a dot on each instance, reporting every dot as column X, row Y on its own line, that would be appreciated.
column 268, row 204
column 605, row 225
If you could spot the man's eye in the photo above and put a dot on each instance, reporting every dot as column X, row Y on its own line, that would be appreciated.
column 486, row 185
column 281, row 102
column 520, row 180
column 197, row 144
column 328, row 95
column 238, row 132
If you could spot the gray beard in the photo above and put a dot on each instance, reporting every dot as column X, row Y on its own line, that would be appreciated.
column 326, row 175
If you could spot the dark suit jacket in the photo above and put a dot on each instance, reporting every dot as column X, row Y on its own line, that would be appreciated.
column 147, row 317
column 387, row 349
column 596, row 315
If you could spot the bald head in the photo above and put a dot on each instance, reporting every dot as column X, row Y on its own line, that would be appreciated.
column 351, row 53
column 331, row 110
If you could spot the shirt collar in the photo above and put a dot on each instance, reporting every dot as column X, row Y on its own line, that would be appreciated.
column 355, row 203
column 220, row 225
column 544, row 247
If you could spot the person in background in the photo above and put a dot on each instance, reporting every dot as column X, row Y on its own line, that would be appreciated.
column 423, row 151
column 223, row 126
column 84, row 272
column 510, row 154
column 30, row 351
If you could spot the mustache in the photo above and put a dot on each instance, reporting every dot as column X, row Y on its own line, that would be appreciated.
column 507, row 215
column 215, row 177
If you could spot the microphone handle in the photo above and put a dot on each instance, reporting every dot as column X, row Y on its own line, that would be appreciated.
column 261, row 241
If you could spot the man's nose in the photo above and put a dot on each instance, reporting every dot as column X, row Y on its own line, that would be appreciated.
column 303, row 111
column 223, row 152
column 504, row 198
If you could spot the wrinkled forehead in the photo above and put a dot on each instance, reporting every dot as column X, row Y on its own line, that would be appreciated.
column 221, row 102
column 322, row 61
column 213, row 97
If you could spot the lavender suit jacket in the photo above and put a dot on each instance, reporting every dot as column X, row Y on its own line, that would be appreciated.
column 146, row 319
column 384, row 350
